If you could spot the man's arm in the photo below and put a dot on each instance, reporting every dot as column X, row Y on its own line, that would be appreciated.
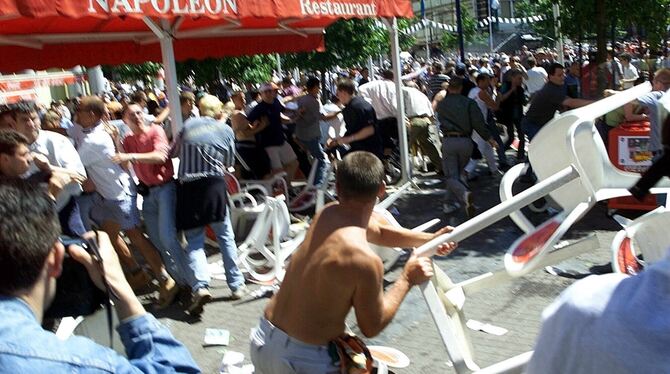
column 149, row 345
column 69, row 159
column 575, row 103
column 374, row 308
column 328, row 117
column 363, row 133
column 162, row 116
column 488, row 100
column 438, row 97
column 382, row 233
column 630, row 115
column 158, row 156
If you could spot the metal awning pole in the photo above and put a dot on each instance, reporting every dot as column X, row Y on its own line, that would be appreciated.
column 400, row 115
column 164, row 34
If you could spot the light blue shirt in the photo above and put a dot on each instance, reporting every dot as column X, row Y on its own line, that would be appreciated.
column 656, row 117
column 27, row 348
column 610, row 324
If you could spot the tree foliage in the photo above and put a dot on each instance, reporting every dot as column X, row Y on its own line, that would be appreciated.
column 242, row 69
column 349, row 43
column 145, row 72
column 593, row 20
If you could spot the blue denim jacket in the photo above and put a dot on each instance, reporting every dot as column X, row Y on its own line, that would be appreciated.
column 26, row 348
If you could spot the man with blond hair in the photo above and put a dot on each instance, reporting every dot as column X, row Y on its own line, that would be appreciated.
column 206, row 148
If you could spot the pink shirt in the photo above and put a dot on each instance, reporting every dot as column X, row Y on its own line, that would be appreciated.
column 154, row 139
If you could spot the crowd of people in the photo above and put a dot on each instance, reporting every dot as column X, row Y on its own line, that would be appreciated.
column 79, row 166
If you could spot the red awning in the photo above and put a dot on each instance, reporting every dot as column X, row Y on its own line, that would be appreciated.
column 40, row 34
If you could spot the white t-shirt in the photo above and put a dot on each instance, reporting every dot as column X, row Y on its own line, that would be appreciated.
column 96, row 148
column 61, row 153
column 416, row 103
column 629, row 72
column 537, row 77
column 474, row 95
column 381, row 95
column 333, row 127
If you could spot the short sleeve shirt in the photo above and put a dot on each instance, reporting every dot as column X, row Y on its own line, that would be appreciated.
column 359, row 114
column 154, row 139
column 96, row 149
column 273, row 134
column 307, row 124
column 545, row 104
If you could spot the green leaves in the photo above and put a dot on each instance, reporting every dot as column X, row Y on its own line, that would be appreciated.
column 349, row 43
column 449, row 40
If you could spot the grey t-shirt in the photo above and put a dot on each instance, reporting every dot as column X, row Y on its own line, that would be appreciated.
column 307, row 124
column 545, row 104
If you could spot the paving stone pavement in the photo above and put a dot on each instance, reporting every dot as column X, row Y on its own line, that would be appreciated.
column 515, row 306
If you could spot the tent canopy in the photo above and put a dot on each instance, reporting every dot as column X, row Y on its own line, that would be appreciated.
column 40, row 34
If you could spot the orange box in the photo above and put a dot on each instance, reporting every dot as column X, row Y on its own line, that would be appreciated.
column 629, row 151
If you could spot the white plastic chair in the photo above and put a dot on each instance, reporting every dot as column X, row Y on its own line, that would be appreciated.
column 570, row 144
column 268, row 245
column 647, row 235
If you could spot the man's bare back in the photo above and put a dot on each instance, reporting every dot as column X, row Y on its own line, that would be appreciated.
column 334, row 270
column 313, row 303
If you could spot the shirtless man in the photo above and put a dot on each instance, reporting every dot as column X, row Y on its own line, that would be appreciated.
column 334, row 270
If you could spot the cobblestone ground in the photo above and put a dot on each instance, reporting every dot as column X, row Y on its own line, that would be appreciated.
column 515, row 306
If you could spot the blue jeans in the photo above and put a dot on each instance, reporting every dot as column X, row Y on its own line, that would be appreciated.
column 158, row 210
column 316, row 150
column 226, row 239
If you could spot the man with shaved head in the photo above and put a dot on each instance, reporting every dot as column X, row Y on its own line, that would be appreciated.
column 332, row 271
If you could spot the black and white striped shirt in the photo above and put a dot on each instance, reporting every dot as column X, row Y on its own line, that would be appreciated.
column 206, row 147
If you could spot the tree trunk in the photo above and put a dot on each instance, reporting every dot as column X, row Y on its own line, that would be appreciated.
column 601, row 44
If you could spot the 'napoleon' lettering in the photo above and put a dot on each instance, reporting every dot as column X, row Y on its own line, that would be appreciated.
column 163, row 6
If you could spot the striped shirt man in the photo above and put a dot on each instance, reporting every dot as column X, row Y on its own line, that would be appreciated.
column 206, row 148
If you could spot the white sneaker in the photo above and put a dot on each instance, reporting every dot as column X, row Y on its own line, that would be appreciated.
column 239, row 293
column 200, row 297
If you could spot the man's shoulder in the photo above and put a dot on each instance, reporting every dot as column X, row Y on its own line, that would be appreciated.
column 587, row 297
column 45, row 137
column 650, row 98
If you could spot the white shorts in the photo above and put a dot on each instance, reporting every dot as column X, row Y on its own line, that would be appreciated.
column 280, row 155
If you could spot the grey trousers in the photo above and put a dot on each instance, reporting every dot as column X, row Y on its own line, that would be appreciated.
column 423, row 134
column 456, row 153
column 274, row 352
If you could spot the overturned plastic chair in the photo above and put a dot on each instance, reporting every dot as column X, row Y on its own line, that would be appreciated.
column 573, row 168
column 569, row 153
column 270, row 243
column 642, row 241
